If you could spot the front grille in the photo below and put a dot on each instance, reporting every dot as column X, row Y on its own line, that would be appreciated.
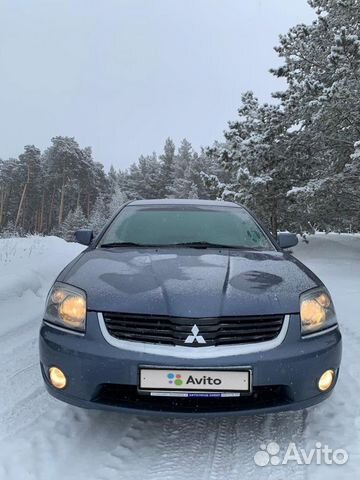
column 175, row 330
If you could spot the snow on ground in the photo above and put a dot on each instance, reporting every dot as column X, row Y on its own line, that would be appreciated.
column 41, row 438
column 28, row 267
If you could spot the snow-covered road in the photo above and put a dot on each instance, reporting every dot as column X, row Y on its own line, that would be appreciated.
column 41, row 438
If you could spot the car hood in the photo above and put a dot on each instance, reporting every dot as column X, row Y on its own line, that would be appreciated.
column 190, row 282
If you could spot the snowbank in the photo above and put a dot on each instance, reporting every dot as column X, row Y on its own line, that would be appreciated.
column 28, row 267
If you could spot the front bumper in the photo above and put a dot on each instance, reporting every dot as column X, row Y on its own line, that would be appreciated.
column 104, row 376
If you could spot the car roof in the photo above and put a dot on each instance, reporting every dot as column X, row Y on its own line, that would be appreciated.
column 180, row 201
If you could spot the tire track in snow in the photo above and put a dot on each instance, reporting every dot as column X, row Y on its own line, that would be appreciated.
column 128, row 447
column 20, row 372
column 281, row 428
column 224, row 447
column 184, row 447
column 221, row 454
column 92, row 431
column 19, row 335
column 203, row 448
column 25, row 411
column 126, row 454
column 20, row 379
column 154, row 448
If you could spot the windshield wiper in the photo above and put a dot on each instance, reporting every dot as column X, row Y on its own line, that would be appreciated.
column 180, row 244
column 210, row 245
column 122, row 244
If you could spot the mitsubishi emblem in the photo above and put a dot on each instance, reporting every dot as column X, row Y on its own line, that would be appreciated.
column 195, row 337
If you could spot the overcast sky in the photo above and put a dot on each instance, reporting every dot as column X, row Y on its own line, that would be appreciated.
column 122, row 75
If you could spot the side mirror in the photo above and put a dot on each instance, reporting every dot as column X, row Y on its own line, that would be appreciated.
column 287, row 240
column 84, row 236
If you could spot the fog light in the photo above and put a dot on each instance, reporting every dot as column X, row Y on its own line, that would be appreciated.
column 326, row 380
column 57, row 378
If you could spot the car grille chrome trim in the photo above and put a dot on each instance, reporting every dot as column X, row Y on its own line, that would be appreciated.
column 196, row 352
column 197, row 332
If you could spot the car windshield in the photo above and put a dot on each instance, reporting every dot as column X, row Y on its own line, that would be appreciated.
column 172, row 225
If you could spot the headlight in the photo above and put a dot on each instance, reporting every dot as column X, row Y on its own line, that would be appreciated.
column 316, row 311
column 66, row 306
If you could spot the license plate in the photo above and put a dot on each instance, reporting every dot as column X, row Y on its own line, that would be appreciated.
column 175, row 379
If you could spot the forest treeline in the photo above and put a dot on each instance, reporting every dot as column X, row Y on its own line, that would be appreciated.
column 54, row 191
column 295, row 161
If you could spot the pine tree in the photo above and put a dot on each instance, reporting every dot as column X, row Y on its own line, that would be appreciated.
column 322, row 103
column 255, row 153
column 28, row 173
column 118, row 198
column 193, row 192
column 167, row 172
column 143, row 178
column 182, row 183
column 75, row 220
column 99, row 215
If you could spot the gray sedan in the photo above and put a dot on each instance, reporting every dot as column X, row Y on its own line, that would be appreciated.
column 189, row 307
